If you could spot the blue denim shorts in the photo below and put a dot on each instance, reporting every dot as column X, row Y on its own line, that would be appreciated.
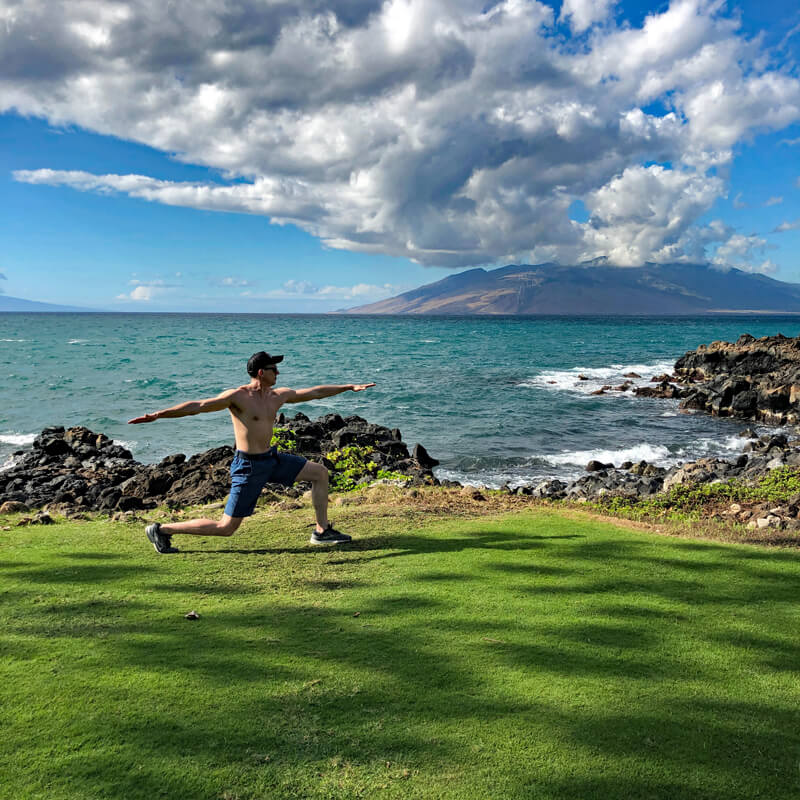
column 250, row 472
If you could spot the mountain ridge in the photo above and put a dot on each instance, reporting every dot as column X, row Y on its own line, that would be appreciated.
column 544, row 289
column 14, row 304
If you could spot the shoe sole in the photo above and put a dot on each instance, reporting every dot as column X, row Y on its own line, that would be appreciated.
column 151, row 535
column 329, row 543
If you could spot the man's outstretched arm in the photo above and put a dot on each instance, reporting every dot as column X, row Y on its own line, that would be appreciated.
column 318, row 392
column 217, row 403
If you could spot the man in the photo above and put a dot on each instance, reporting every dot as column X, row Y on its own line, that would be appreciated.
column 253, row 408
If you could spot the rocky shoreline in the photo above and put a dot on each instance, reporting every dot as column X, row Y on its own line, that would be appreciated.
column 75, row 470
column 750, row 379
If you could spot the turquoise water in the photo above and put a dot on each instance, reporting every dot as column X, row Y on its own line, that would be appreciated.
column 495, row 399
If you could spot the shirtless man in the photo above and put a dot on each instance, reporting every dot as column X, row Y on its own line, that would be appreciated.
column 253, row 408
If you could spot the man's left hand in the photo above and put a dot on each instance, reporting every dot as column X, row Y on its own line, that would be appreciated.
column 359, row 387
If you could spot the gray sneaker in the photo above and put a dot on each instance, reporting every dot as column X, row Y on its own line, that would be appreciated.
column 330, row 536
column 161, row 541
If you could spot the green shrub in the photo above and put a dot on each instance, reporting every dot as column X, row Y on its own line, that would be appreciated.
column 352, row 464
column 284, row 440
column 687, row 501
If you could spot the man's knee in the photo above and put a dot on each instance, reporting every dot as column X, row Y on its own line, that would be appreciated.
column 315, row 472
column 229, row 525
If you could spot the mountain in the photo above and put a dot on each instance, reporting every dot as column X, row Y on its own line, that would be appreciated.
column 653, row 289
column 18, row 304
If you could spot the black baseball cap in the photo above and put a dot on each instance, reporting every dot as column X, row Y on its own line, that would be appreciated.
column 261, row 360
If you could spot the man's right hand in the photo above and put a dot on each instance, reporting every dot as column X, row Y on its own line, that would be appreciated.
column 143, row 418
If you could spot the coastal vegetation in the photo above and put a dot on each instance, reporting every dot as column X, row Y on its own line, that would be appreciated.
column 467, row 644
column 353, row 466
column 284, row 440
column 691, row 501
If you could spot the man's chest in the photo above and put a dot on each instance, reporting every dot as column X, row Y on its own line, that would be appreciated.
column 258, row 410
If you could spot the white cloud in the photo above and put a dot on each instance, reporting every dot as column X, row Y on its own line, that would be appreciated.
column 744, row 252
column 584, row 13
column 773, row 201
column 738, row 202
column 308, row 291
column 647, row 214
column 146, row 291
column 792, row 225
column 233, row 281
column 296, row 288
column 451, row 132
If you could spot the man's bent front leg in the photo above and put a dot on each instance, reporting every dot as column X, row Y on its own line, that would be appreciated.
column 204, row 527
column 318, row 476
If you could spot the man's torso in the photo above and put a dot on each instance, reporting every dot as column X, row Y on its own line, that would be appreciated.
column 253, row 415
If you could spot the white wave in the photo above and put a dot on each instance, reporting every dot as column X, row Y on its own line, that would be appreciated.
column 733, row 442
column 594, row 378
column 126, row 444
column 429, row 341
column 8, row 463
column 571, row 464
column 711, row 447
column 77, row 341
column 13, row 340
column 494, row 479
column 654, row 454
column 18, row 439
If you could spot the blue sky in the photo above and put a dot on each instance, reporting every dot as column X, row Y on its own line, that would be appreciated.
column 316, row 156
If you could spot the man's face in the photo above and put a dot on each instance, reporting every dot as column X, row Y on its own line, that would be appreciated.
column 270, row 373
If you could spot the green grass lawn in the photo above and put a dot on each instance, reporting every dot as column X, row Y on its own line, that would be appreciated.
column 524, row 655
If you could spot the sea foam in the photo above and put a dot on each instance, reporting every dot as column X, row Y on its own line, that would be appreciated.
column 18, row 439
column 654, row 454
column 568, row 380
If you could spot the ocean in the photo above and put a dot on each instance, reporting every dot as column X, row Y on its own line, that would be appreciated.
column 497, row 400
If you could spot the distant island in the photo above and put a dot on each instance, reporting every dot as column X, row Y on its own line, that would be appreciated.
column 18, row 304
column 591, row 288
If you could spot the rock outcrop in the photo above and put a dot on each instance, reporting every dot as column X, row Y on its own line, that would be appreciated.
column 79, row 470
column 642, row 480
column 751, row 378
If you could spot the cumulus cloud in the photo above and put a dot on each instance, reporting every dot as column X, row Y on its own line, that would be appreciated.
column 451, row 132
column 233, row 282
column 792, row 225
column 738, row 202
column 773, row 201
column 745, row 253
column 308, row 291
column 584, row 13
column 146, row 291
